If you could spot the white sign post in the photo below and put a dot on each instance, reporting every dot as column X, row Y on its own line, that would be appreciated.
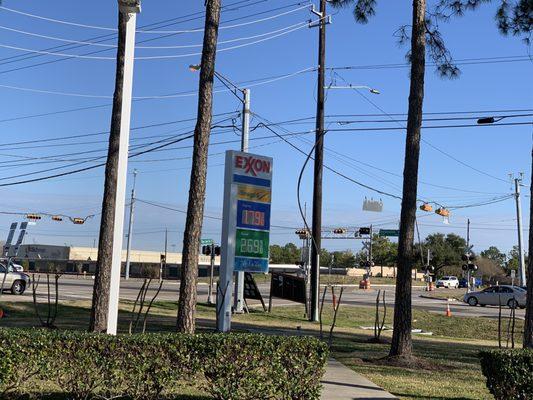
column 245, row 224
column 130, row 8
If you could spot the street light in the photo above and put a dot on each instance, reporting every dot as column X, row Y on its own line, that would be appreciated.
column 225, row 81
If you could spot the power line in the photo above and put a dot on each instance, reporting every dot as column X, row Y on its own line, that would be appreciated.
column 113, row 36
column 63, row 22
column 153, row 125
column 160, row 24
column 154, row 204
column 431, row 127
column 465, row 61
column 492, row 201
column 258, row 82
column 163, row 57
column 422, row 139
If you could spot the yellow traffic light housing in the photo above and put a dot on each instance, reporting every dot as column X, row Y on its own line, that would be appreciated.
column 78, row 221
column 57, row 218
column 426, row 207
column 442, row 212
column 33, row 217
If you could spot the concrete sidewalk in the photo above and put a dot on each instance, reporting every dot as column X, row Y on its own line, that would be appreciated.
column 341, row 383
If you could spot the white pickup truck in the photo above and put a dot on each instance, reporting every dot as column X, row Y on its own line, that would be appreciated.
column 13, row 280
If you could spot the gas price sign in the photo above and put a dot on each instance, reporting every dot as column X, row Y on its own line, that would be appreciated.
column 247, row 211
column 245, row 223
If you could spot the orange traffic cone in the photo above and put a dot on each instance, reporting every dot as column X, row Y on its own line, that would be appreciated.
column 448, row 311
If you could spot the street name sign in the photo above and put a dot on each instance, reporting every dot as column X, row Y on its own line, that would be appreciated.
column 389, row 232
column 245, row 223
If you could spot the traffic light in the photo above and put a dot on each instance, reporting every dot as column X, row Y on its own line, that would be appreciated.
column 33, row 217
column 469, row 262
column 426, row 207
column 302, row 233
column 364, row 231
column 442, row 212
column 217, row 250
column 206, row 250
column 57, row 218
column 340, row 231
column 78, row 221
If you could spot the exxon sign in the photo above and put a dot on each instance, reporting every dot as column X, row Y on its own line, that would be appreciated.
column 252, row 165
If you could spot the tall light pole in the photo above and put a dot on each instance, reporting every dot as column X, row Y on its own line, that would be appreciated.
column 130, row 225
column 517, row 184
column 521, row 265
column 244, row 98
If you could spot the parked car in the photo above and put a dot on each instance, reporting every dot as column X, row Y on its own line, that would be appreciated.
column 450, row 282
column 505, row 295
column 16, row 282
column 463, row 283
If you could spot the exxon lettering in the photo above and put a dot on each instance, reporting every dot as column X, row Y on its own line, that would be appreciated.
column 252, row 165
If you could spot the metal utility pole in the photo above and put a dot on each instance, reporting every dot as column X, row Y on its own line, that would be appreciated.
column 318, row 166
column 468, row 287
column 211, row 275
column 521, row 265
column 130, row 225
column 238, row 305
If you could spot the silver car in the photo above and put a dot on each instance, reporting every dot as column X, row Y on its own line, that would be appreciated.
column 505, row 295
column 16, row 282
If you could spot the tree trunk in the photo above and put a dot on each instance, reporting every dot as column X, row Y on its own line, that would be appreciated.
column 401, row 340
column 195, row 207
column 102, row 279
column 528, row 328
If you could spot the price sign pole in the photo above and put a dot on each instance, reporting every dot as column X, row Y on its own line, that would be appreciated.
column 245, row 224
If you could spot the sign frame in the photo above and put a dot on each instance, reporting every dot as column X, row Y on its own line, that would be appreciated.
column 244, row 173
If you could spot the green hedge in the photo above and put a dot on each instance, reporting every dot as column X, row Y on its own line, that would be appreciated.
column 82, row 366
column 509, row 373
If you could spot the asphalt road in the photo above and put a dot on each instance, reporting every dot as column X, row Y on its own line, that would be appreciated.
column 81, row 289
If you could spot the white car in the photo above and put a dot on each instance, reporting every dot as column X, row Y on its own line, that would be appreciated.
column 450, row 282
column 506, row 295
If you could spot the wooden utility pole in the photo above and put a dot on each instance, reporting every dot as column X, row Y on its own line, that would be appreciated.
column 195, row 207
column 318, row 166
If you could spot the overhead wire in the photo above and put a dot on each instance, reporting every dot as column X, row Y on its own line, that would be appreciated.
column 161, row 57
column 108, row 37
column 422, row 139
column 142, row 31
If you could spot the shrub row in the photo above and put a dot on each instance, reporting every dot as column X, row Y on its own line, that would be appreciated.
column 147, row 367
column 509, row 373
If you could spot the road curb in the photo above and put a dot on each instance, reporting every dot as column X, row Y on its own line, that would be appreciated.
column 438, row 298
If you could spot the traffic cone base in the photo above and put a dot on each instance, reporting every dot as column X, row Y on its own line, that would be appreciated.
column 448, row 311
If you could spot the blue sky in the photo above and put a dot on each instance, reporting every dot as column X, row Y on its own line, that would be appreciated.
column 374, row 158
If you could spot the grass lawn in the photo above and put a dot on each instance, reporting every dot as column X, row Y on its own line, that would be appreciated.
column 452, row 371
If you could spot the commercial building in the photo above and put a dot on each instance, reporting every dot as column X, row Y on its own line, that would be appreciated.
column 79, row 260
